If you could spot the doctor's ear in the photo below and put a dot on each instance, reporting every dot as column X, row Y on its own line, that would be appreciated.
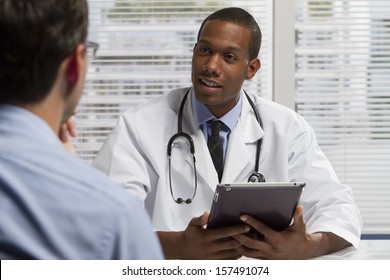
column 253, row 67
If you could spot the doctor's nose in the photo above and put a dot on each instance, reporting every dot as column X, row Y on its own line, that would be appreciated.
column 213, row 65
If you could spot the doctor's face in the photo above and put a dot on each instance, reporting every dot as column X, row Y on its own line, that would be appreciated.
column 220, row 65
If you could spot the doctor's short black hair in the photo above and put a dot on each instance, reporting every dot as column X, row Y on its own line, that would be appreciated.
column 36, row 36
column 242, row 18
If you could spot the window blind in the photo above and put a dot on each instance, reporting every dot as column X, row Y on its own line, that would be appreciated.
column 145, row 51
column 343, row 90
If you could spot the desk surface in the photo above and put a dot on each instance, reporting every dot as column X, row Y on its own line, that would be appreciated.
column 368, row 250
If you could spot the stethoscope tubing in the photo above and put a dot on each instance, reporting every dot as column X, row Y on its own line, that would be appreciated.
column 255, row 177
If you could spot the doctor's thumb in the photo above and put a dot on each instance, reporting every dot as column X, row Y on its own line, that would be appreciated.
column 298, row 215
column 201, row 220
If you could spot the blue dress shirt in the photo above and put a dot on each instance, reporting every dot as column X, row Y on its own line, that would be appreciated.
column 202, row 115
column 54, row 206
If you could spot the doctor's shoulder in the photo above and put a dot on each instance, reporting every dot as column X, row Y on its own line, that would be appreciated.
column 157, row 104
column 274, row 113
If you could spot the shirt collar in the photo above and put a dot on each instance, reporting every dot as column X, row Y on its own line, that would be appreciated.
column 20, row 120
column 202, row 114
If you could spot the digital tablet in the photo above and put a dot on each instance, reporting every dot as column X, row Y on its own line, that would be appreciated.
column 271, row 203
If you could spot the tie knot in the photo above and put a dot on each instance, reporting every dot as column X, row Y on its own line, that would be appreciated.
column 216, row 127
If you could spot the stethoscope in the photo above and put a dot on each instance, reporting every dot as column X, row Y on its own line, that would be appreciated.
column 256, row 176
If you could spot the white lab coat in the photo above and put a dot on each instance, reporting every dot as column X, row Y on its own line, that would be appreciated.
column 135, row 156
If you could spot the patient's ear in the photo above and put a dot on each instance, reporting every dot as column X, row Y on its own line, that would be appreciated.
column 72, row 71
column 74, row 65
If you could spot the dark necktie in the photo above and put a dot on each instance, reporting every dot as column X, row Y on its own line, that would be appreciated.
column 215, row 147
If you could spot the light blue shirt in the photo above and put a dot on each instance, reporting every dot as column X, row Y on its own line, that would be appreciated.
column 202, row 115
column 54, row 206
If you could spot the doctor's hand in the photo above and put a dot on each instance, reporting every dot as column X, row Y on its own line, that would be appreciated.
column 291, row 243
column 197, row 242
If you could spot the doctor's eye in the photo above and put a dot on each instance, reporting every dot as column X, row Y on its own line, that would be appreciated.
column 204, row 51
column 230, row 58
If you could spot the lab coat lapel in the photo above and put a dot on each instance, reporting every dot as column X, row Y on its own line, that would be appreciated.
column 241, row 151
column 205, row 168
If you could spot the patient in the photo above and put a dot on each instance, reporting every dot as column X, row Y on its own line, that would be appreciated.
column 52, row 205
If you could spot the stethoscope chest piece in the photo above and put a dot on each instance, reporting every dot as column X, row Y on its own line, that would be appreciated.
column 256, row 177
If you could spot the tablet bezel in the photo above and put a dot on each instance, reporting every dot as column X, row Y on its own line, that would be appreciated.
column 273, row 203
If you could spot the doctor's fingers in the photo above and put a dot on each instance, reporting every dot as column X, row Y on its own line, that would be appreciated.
column 228, row 255
column 253, row 248
column 259, row 226
column 226, row 248
column 254, row 253
column 227, row 232
column 232, row 254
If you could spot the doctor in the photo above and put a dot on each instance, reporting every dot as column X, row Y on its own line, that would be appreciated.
column 178, row 191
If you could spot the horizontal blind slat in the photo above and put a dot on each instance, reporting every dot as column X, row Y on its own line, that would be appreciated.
column 342, row 90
